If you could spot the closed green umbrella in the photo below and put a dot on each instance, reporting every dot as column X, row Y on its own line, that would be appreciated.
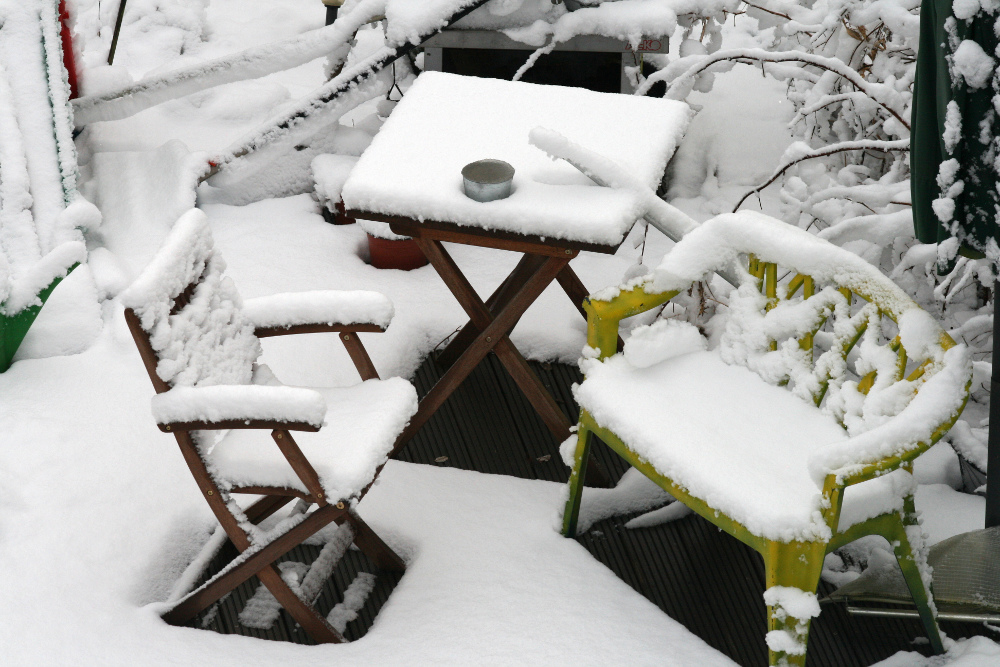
column 955, row 155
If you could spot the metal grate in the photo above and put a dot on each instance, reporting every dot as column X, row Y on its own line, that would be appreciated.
column 966, row 582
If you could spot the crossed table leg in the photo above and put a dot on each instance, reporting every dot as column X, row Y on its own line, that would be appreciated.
column 488, row 330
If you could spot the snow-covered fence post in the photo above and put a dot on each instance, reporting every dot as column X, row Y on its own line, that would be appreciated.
column 41, row 213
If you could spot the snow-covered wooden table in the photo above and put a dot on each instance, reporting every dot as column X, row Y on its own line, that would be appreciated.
column 411, row 177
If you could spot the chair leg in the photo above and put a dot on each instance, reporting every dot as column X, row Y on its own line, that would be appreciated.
column 911, row 554
column 305, row 615
column 794, row 565
column 373, row 546
column 576, row 477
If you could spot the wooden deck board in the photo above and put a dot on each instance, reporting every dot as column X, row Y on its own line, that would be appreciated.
column 700, row 576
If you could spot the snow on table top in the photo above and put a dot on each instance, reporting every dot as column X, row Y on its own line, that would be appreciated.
column 413, row 166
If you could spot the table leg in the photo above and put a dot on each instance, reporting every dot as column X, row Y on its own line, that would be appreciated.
column 493, row 336
column 497, row 302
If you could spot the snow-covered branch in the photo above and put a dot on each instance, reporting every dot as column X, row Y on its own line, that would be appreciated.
column 799, row 151
column 248, row 64
column 682, row 74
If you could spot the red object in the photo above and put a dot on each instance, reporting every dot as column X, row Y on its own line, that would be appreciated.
column 403, row 254
column 338, row 216
column 69, row 57
column 341, row 217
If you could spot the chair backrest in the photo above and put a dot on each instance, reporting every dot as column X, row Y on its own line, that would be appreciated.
column 815, row 318
column 191, row 313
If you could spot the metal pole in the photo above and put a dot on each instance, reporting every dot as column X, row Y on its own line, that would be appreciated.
column 118, row 29
column 993, row 456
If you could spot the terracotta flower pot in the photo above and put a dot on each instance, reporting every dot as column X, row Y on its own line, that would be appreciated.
column 403, row 254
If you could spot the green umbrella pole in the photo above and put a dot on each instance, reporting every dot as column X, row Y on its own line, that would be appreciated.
column 993, row 454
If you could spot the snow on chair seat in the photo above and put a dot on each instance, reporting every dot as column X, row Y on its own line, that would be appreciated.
column 200, row 351
column 797, row 433
column 366, row 418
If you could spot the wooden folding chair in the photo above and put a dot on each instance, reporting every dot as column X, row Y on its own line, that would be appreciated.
column 200, row 344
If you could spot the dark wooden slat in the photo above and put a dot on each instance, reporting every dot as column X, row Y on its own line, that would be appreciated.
column 203, row 597
column 369, row 542
column 300, row 464
column 359, row 355
column 146, row 351
column 229, row 424
column 267, row 332
column 488, row 238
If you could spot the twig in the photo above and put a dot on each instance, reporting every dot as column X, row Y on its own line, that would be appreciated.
column 902, row 144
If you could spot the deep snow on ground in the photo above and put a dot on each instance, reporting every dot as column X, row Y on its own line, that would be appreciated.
column 98, row 515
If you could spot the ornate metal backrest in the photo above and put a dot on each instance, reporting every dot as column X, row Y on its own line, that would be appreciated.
column 191, row 313
column 840, row 349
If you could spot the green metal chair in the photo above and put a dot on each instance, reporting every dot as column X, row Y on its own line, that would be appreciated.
column 797, row 433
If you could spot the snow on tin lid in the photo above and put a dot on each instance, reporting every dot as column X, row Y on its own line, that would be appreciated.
column 413, row 167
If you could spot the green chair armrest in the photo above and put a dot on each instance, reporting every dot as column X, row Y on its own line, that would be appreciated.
column 604, row 315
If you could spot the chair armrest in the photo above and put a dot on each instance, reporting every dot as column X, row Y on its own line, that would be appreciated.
column 318, row 311
column 932, row 411
column 239, row 406
column 606, row 308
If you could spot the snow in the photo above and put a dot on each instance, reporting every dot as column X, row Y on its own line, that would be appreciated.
column 39, row 236
column 239, row 403
column 975, row 65
column 720, row 241
column 650, row 344
column 972, row 652
column 752, row 465
column 354, row 599
column 417, row 174
column 130, row 99
column 478, row 547
column 605, row 172
column 363, row 422
column 319, row 307
column 939, row 399
column 330, row 171
column 793, row 602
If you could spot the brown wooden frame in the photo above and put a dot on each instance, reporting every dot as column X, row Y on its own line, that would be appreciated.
column 490, row 322
column 261, row 560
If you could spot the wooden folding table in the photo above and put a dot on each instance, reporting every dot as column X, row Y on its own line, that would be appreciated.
column 410, row 177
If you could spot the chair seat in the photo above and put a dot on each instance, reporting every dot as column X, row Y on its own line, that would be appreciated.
column 729, row 438
column 362, row 423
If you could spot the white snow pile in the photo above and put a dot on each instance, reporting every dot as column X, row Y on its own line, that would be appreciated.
column 652, row 343
column 330, row 171
column 41, row 213
column 222, row 403
column 319, row 307
column 789, row 602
